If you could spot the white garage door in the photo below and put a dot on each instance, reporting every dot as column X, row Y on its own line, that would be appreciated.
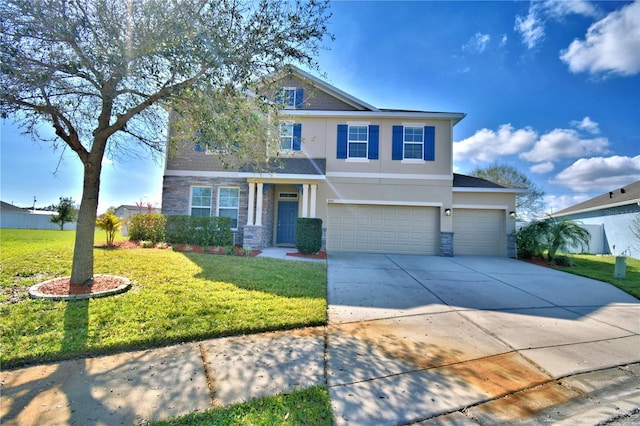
column 383, row 229
column 479, row 232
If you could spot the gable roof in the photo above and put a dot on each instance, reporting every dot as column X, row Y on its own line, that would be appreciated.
column 628, row 194
column 464, row 183
column 11, row 208
column 358, row 104
column 362, row 108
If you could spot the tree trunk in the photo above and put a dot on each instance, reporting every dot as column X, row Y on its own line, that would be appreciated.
column 82, row 267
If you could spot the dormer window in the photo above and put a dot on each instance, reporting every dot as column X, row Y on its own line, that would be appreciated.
column 290, row 97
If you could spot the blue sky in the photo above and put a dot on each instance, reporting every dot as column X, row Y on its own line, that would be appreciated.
column 551, row 88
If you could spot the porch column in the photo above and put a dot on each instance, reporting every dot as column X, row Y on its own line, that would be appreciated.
column 314, row 188
column 305, row 200
column 252, row 194
column 259, row 205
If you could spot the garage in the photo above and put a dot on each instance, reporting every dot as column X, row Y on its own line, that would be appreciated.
column 479, row 232
column 383, row 229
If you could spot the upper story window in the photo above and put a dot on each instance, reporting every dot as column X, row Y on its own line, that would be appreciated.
column 413, row 143
column 200, row 201
column 290, row 97
column 358, row 140
column 290, row 136
column 228, row 204
column 286, row 137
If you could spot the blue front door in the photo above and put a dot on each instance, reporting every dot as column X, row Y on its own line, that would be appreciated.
column 287, row 218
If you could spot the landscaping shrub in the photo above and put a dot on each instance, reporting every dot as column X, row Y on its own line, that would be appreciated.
column 308, row 235
column 204, row 231
column 528, row 241
column 110, row 223
column 147, row 227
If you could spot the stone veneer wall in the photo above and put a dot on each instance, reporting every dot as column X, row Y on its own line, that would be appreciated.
column 512, row 248
column 176, row 191
column 446, row 244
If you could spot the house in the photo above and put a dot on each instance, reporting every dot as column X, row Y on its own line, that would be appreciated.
column 381, row 180
column 608, row 218
column 23, row 218
column 126, row 211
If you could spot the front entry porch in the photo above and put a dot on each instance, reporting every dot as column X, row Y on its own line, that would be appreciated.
column 273, row 208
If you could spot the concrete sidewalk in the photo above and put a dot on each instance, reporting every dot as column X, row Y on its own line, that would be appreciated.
column 410, row 339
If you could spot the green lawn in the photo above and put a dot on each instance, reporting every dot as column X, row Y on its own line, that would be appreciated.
column 176, row 297
column 602, row 268
column 309, row 406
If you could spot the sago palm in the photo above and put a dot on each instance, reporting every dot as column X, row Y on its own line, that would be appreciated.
column 560, row 234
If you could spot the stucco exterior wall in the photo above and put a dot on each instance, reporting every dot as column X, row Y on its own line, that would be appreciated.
column 616, row 224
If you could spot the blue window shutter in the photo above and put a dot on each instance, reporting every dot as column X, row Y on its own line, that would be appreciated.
column 297, row 136
column 429, row 143
column 374, row 136
column 397, row 143
column 342, row 140
column 299, row 97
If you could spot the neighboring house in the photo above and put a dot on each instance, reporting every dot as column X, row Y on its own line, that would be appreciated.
column 608, row 219
column 22, row 218
column 125, row 212
column 381, row 180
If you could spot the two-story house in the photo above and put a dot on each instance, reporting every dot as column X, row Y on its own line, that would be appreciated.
column 381, row 180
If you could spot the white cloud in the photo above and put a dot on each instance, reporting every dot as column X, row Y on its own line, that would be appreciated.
column 599, row 173
column 477, row 43
column 586, row 124
column 532, row 26
column 488, row 145
column 503, row 40
column 559, row 9
column 564, row 143
column 612, row 45
column 559, row 202
column 541, row 168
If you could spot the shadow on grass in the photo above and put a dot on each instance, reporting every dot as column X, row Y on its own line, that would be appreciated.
column 278, row 277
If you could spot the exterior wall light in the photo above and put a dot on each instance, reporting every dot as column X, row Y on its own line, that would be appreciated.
column 512, row 215
column 447, row 212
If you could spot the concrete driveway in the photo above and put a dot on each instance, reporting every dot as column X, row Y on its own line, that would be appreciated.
column 468, row 340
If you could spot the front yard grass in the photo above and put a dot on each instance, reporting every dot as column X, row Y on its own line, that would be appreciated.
column 602, row 267
column 310, row 406
column 176, row 297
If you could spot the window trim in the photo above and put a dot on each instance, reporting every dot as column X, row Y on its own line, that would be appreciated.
column 192, row 206
column 282, row 124
column 297, row 98
column 237, row 209
column 405, row 143
column 366, row 152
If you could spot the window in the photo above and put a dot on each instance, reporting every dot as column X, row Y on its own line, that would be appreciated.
column 290, row 97
column 228, row 203
column 290, row 136
column 286, row 137
column 200, row 201
column 358, row 138
column 413, row 143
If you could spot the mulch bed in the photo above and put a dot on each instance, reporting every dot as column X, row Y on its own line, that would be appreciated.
column 63, row 286
column 319, row 255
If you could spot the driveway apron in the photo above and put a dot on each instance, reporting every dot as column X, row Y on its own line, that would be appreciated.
column 411, row 338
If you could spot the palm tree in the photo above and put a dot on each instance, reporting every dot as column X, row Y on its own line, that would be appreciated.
column 560, row 234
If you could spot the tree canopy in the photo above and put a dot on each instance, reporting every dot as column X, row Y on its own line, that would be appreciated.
column 529, row 204
column 104, row 72
column 66, row 212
